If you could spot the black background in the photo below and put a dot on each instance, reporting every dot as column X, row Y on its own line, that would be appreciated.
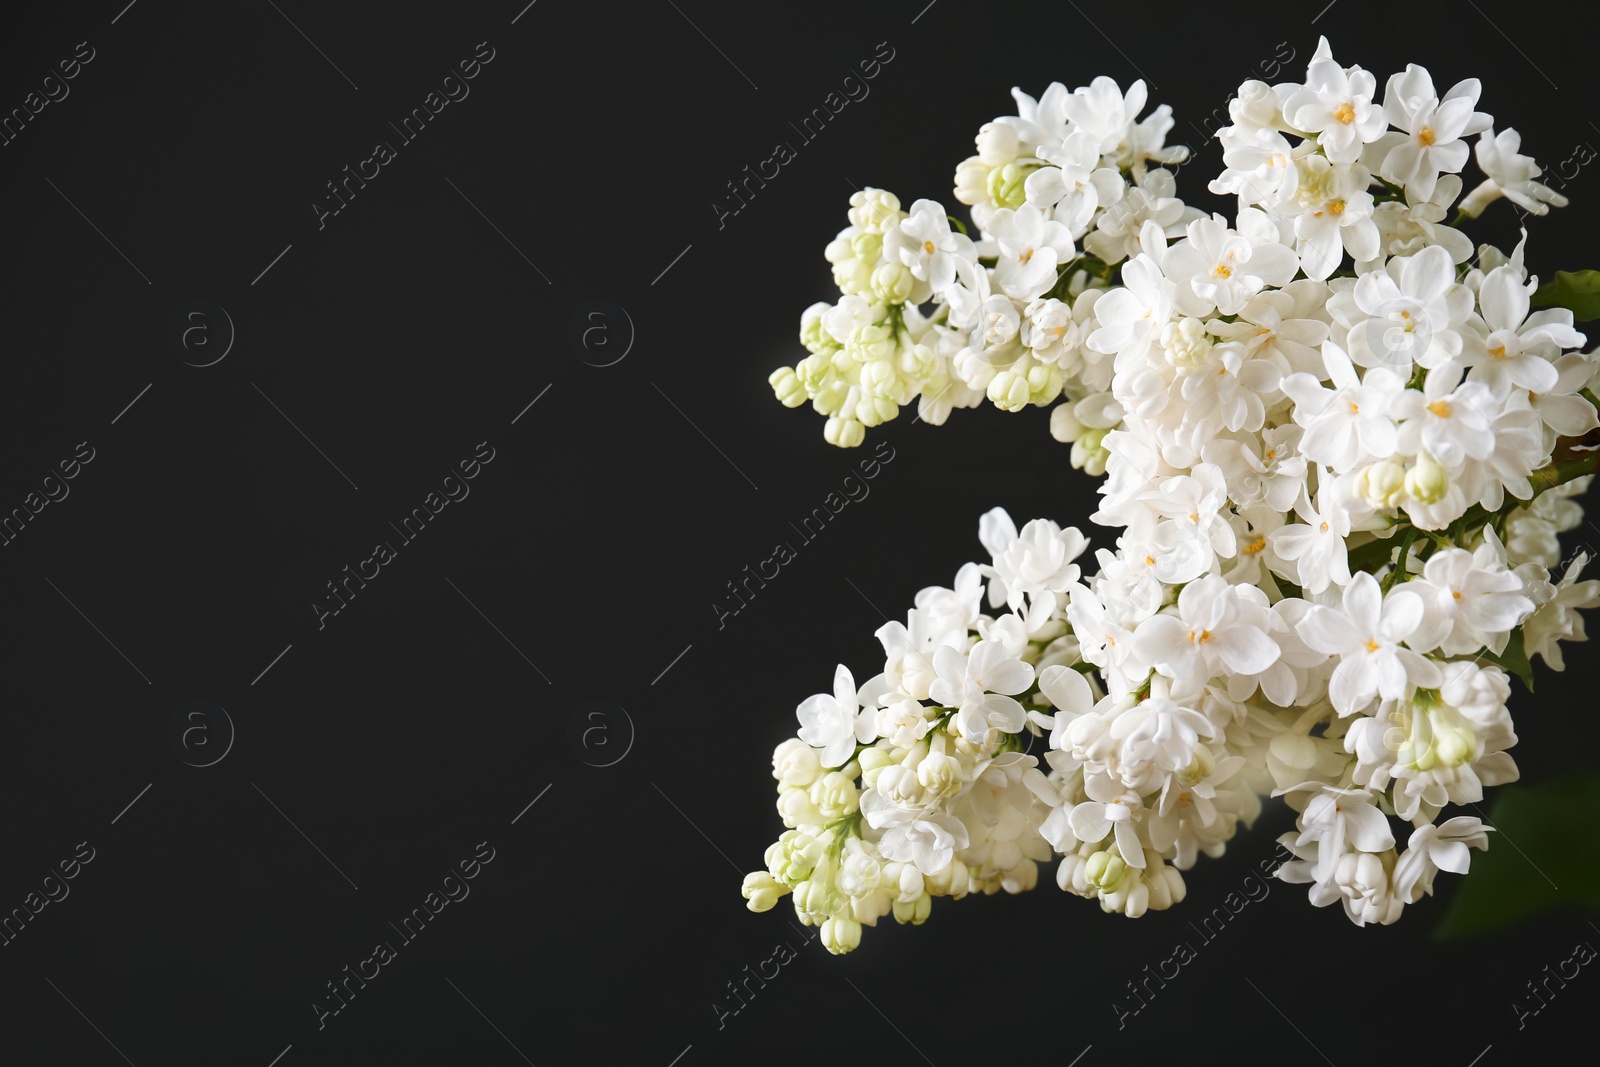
column 414, row 724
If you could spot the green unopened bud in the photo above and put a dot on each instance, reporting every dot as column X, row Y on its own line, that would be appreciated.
column 840, row 935
column 872, row 342
column 1006, row 184
column 812, row 335
column 1008, row 391
column 1453, row 743
column 875, row 410
column 1382, row 484
column 791, row 392
column 916, row 912
column 1105, row 870
column 1427, row 482
column 873, row 760
column 918, row 362
column 762, row 891
column 891, row 283
column 874, row 210
column 1089, row 453
column 1044, row 383
column 867, row 246
column 845, row 433
column 835, row 795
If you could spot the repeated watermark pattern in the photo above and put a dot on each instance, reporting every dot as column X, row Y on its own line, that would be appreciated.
column 188, row 733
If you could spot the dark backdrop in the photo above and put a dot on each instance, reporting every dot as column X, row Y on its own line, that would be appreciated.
column 375, row 349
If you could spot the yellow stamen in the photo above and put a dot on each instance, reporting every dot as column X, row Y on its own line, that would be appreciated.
column 1345, row 113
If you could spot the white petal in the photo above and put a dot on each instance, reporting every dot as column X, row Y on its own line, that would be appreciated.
column 1368, row 830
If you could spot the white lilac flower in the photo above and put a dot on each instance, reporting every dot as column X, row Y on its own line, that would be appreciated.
column 1437, row 847
column 1557, row 619
column 1332, row 213
column 1217, row 269
column 1337, row 104
column 833, row 722
column 927, row 245
column 1338, row 449
column 1031, row 247
column 1430, row 142
column 1210, row 634
column 1412, row 310
column 1470, row 601
column 1517, row 352
column 1511, row 175
column 1367, row 634
column 1031, row 570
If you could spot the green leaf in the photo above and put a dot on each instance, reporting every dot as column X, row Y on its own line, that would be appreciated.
column 1578, row 291
column 1542, row 856
column 1514, row 659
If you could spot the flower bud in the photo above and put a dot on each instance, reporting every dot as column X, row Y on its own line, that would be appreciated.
column 1427, row 482
column 873, row 761
column 812, row 334
column 954, row 881
column 795, row 764
column 998, row 143
column 972, row 181
column 762, row 891
column 1186, row 343
column 873, row 210
column 939, row 775
column 840, row 935
column 891, row 283
column 878, row 378
column 871, row 342
column 813, row 371
column 917, row 674
column 845, row 433
column 1044, row 383
column 916, row 912
column 1105, row 870
column 876, row 410
column 861, row 872
column 1382, row 484
column 786, row 384
column 796, row 809
column 866, row 246
column 1089, row 453
column 1006, row 184
column 853, row 276
column 908, row 883
column 835, row 796
column 1070, row 874
column 839, row 249
column 811, row 901
column 1064, row 424
column 791, row 858
column 1008, row 390
column 1255, row 104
